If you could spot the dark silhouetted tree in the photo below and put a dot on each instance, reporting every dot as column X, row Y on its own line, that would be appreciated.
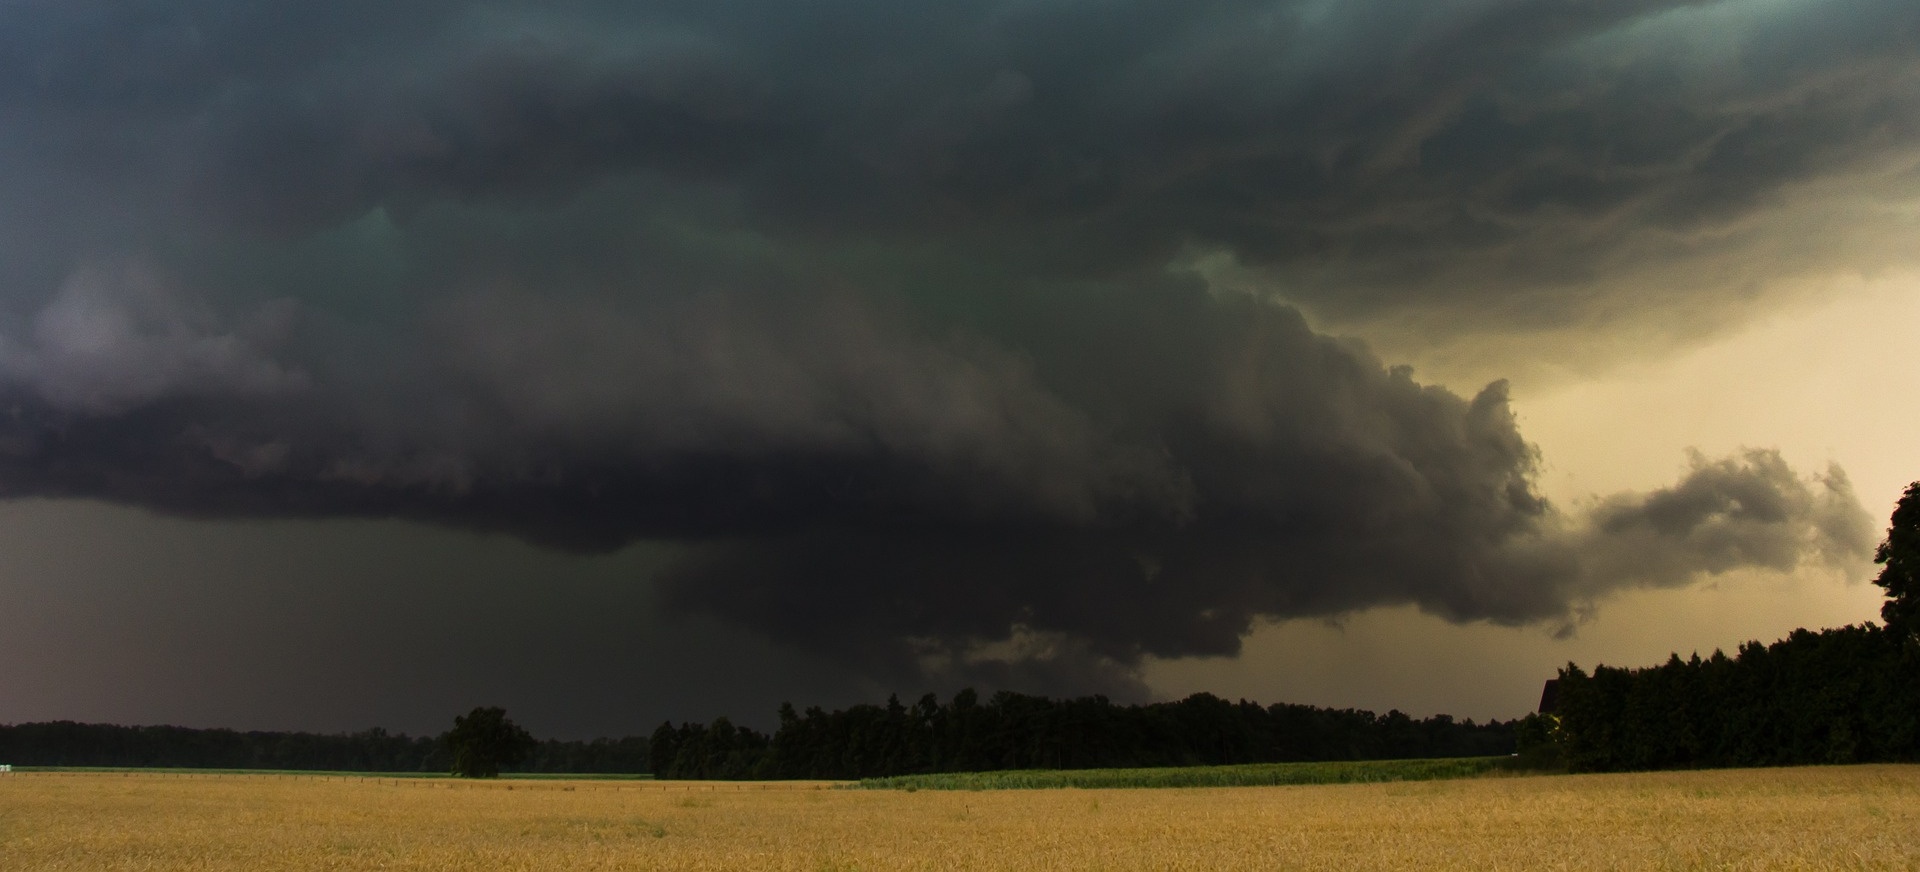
column 484, row 740
column 1900, row 555
column 661, row 749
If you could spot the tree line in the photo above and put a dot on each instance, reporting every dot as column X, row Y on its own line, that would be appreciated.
column 1847, row 695
column 65, row 743
column 1017, row 731
column 966, row 734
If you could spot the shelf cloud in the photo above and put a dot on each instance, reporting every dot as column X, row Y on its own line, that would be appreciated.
column 970, row 341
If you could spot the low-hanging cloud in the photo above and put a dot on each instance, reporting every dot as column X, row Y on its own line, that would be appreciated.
column 909, row 321
column 936, row 508
column 114, row 339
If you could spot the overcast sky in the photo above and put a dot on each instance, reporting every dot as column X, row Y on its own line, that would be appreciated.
column 616, row 361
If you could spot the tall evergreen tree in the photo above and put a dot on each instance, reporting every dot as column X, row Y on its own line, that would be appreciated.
column 1900, row 555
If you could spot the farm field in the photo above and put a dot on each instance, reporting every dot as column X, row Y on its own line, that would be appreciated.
column 1241, row 775
column 1861, row 817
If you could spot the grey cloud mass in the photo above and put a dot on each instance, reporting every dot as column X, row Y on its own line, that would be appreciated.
column 908, row 320
column 115, row 339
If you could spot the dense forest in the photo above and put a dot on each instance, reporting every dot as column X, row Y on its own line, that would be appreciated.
column 65, row 743
column 1015, row 731
column 1849, row 695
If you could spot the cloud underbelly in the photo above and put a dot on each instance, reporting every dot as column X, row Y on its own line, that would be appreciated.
column 916, row 504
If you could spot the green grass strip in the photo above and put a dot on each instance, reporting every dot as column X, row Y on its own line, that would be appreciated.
column 1248, row 775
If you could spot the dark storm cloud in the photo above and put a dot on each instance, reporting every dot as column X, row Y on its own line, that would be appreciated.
column 901, row 315
column 921, row 509
column 1341, row 143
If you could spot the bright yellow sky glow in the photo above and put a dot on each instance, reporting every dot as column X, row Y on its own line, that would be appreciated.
column 1823, row 382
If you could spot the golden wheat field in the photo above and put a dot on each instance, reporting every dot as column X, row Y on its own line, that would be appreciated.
column 1864, row 817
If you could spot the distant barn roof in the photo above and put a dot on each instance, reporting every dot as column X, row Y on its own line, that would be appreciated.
column 1549, row 696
